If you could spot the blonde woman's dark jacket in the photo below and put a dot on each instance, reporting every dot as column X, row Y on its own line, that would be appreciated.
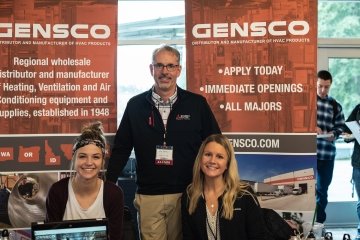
column 246, row 224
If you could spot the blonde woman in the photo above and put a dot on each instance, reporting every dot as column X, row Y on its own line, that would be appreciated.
column 84, row 195
column 217, row 205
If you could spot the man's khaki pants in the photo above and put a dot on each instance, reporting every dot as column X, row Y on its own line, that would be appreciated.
column 159, row 216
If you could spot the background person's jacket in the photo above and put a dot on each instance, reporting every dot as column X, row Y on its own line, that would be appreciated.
column 328, row 120
column 355, row 157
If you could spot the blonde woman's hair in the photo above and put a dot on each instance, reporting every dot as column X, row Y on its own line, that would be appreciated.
column 233, row 186
column 90, row 134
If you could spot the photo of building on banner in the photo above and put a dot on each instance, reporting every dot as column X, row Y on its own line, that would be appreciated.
column 255, row 62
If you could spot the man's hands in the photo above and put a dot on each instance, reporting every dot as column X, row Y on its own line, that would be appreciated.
column 329, row 135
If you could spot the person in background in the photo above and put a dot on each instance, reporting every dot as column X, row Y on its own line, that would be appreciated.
column 165, row 126
column 217, row 205
column 84, row 195
column 355, row 159
column 330, row 124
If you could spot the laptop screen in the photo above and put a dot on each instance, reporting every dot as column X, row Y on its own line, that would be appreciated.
column 73, row 229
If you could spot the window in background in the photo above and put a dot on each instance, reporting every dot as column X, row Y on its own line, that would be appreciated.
column 338, row 24
column 346, row 75
column 346, row 78
column 143, row 26
column 133, row 72
column 338, row 19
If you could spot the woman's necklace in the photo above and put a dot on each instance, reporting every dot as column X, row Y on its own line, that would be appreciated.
column 211, row 207
column 211, row 201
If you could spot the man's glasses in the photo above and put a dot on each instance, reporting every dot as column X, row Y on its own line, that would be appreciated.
column 169, row 67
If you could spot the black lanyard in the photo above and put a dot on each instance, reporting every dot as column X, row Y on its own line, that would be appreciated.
column 216, row 225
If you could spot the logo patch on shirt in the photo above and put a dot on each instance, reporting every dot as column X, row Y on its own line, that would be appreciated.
column 182, row 117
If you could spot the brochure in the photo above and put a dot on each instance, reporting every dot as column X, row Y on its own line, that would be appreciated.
column 355, row 129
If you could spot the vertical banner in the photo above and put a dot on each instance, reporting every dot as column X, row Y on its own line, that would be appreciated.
column 255, row 62
column 57, row 73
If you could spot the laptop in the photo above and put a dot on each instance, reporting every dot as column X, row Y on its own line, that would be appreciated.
column 89, row 229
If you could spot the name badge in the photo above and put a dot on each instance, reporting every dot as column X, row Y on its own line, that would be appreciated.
column 164, row 155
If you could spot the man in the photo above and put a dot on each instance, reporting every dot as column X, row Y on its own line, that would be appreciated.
column 330, row 124
column 166, row 126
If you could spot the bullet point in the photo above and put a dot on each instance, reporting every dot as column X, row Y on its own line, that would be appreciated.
column 222, row 106
column 201, row 89
column 220, row 71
